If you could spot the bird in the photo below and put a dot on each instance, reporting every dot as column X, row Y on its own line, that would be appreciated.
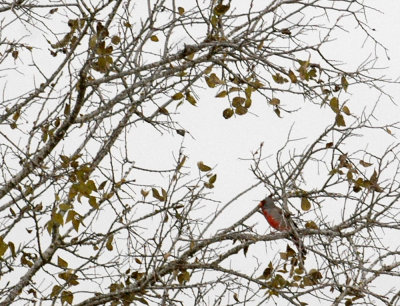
column 280, row 221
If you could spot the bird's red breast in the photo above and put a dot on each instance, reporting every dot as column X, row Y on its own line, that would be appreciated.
column 276, row 222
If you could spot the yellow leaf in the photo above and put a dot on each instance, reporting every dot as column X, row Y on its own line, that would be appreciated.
column 334, row 103
column 91, row 185
column 25, row 261
column 57, row 218
column 115, row 40
column 71, row 215
column 49, row 226
column 190, row 99
column 55, row 291
column 279, row 79
column 340, row 120
column 67, row 109
column 213, row 80
column 210, row 82
column 214, row 20
column 240, row 110
column 365, row 164
column 247, row 104
column 275, row 101
column 65, row 206
column 93, row 202
column 75, row 224
column 182, row 162
column 315, row 274
column 181, row 132
column 189, row 57
column 212, row 179
column 292, row 77
column 349, row 175
column 267, row 272
column 93, row 42
column 208, row 185
column 227, row 113
column 221, row 9
column 374, row 182
column 208, row 69
column 238, row 101
column 305, row 204
column 109, row 243
column 12, row 248
column 63, row 42
column 177, row 96
column 283, row 256
column 202, row 167
column 344, row 83
column 28, row 190
column 3, row 247
column 144, row 193
column 222, row 94
column 183, row 277
column 248, row 91
column 16, row 115
column 157, row 195
column 164, row 193
column 297, row 278
column 257, row 84
column 154, row 38
column 102, row 185
column 286, row 31
column 62, row 263
column 67, row 297
column 181, row 10
column 346, row 110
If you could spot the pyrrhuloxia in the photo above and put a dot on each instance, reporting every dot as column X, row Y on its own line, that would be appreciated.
column 279, row 221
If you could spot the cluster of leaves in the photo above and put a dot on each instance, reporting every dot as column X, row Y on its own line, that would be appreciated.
column 310, row 72
column 100, row 43
column 97, row 43
column 278, row 278
column 70, row 38
column 334, row 104
column 354, row 176
column 81, row 186
column 128, row 298
column 211, row 178
column 239, row 90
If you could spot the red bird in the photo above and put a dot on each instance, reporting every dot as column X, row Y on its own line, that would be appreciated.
column 279, row 221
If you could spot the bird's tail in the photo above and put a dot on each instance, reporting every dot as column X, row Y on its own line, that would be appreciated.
column 299, row 244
